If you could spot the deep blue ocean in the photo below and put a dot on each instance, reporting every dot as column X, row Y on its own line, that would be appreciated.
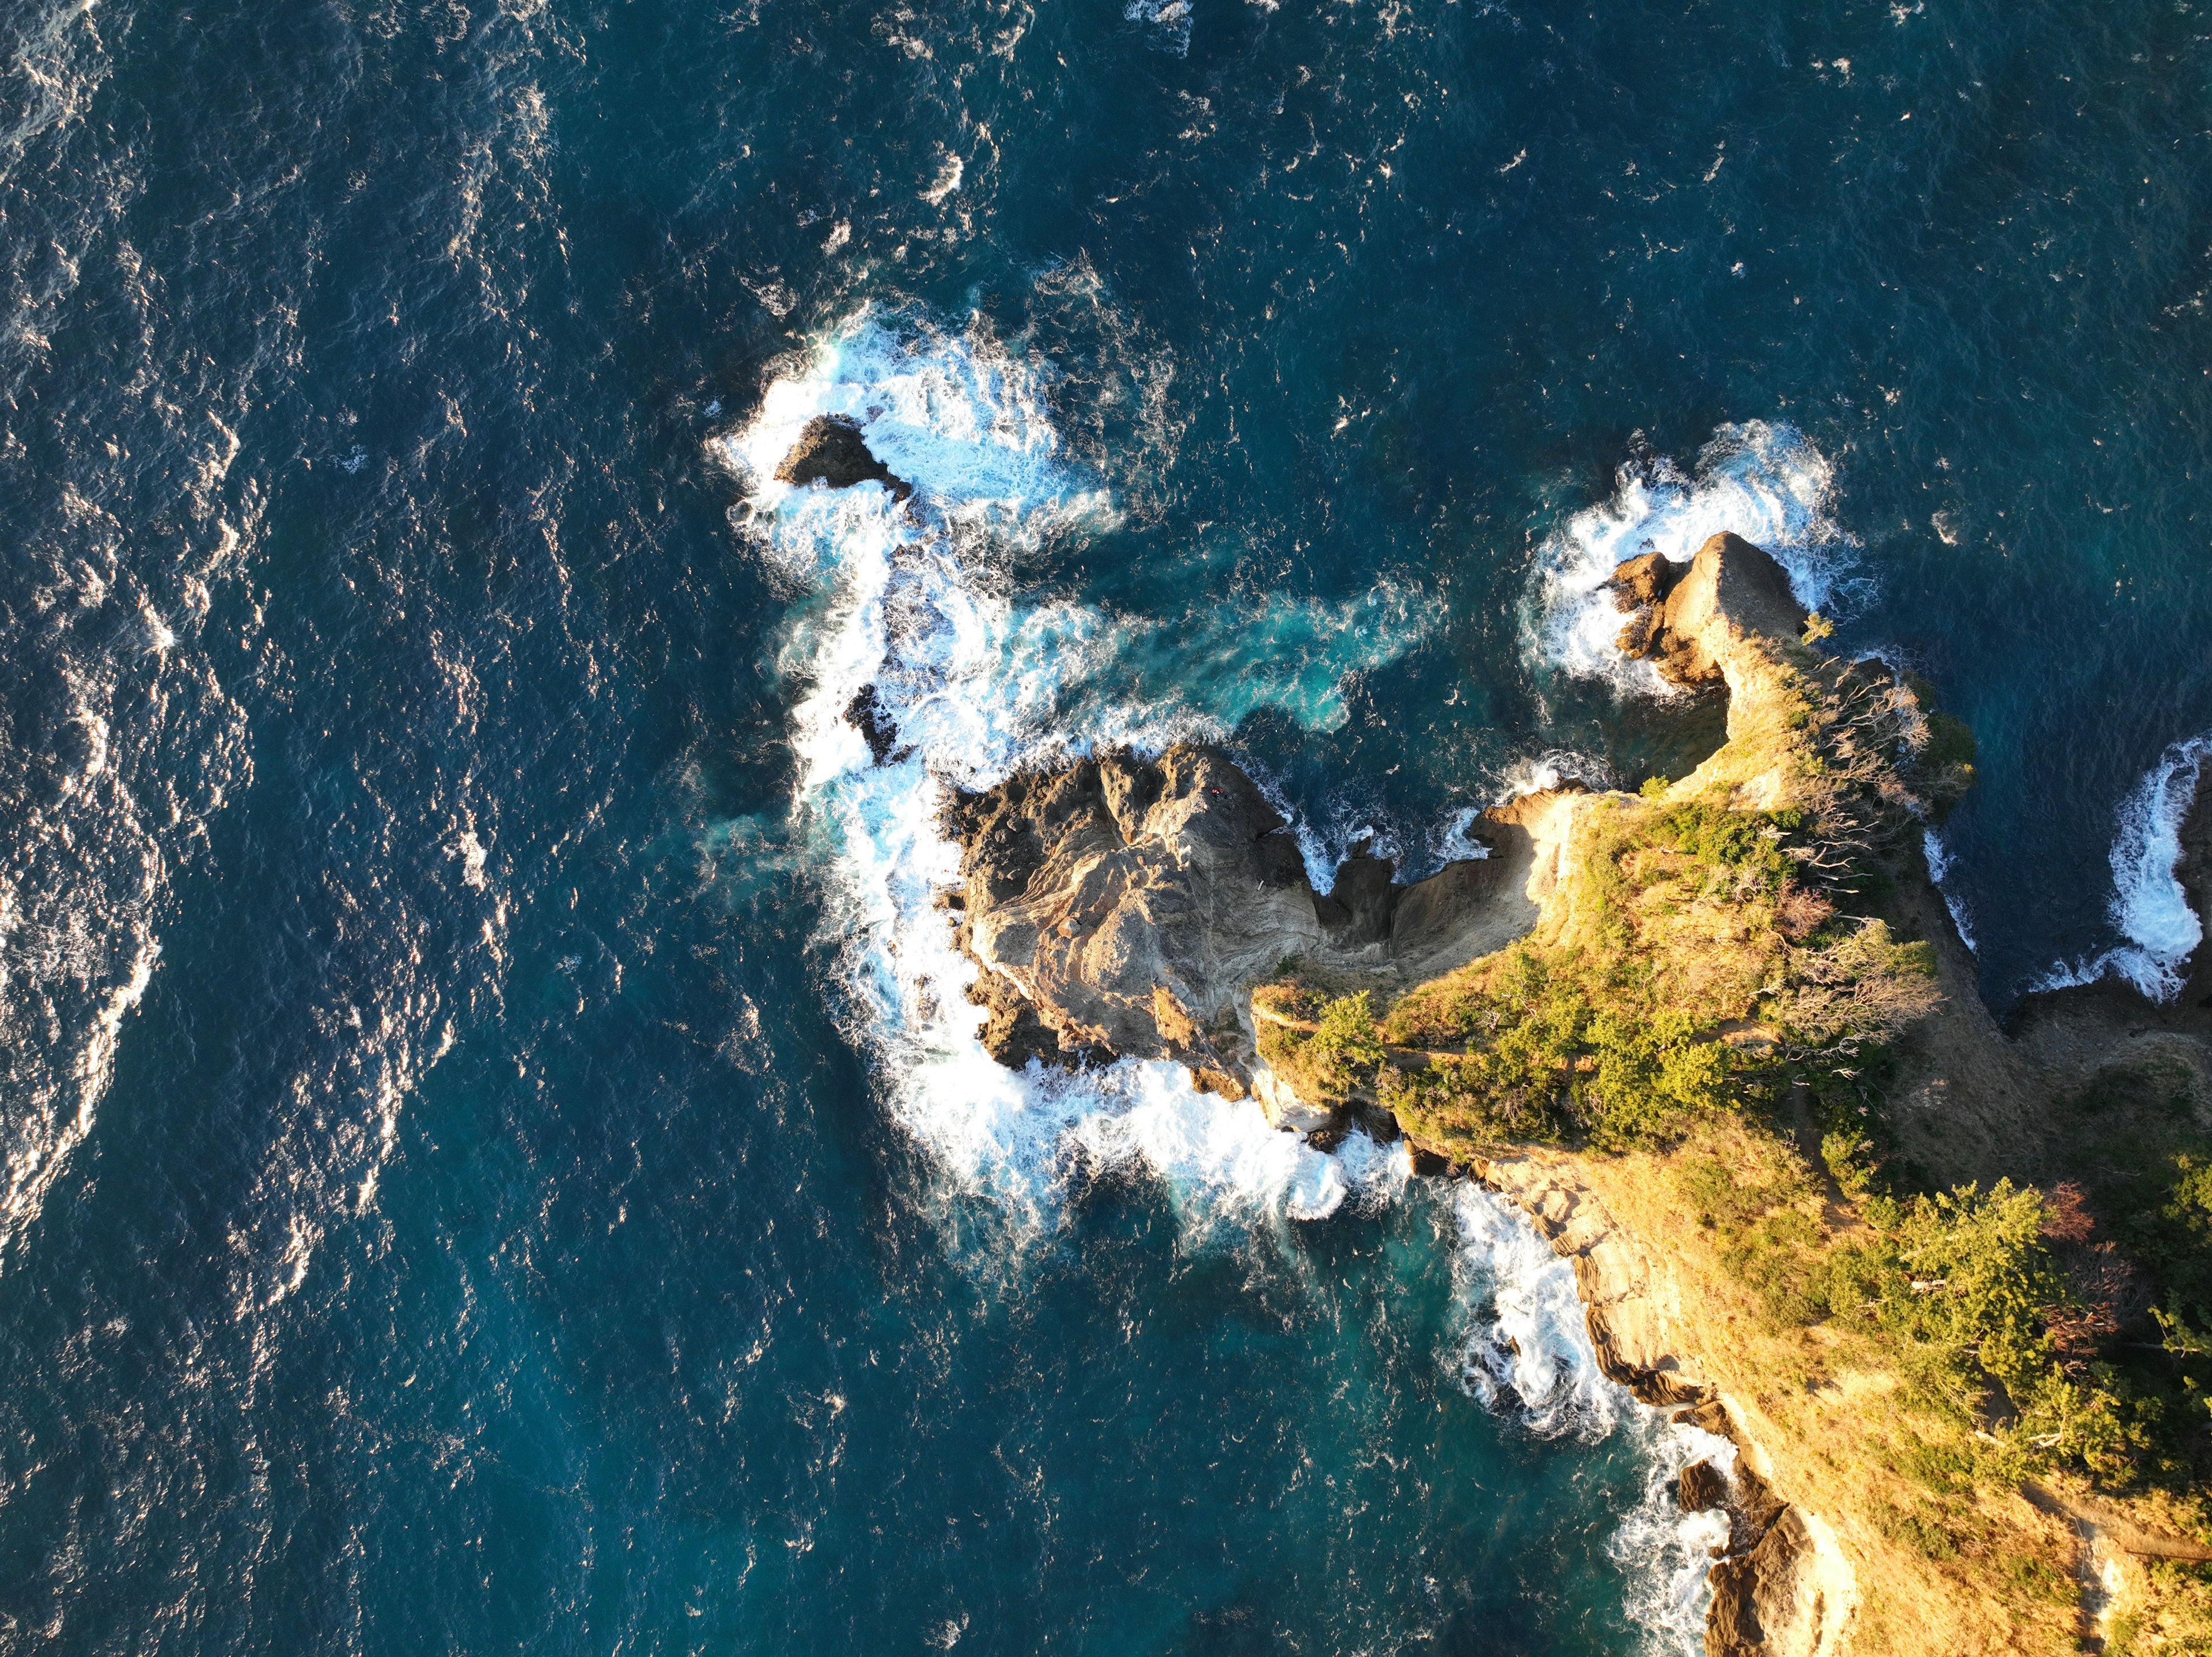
column 495, row 1159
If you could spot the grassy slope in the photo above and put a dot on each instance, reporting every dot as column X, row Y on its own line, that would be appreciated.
column 1713, row 1017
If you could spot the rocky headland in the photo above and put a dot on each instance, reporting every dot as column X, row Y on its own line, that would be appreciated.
column 1721, row 1042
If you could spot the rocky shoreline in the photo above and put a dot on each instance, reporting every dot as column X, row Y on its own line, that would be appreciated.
column 1124, row 906
column 1127, row 906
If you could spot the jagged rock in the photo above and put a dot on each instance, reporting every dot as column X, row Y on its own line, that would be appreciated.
column 1771, row 1602
column 1753, row 1508
column 1710, row 1415
column 1131, row 904
column 1683, row 621
column 1643, row 581
column 1663, row 1388
column 1639, row 587
column 1702, row 1486
column 866, row 714
column 830, row 450
column 1126, row 900
column 1013, row 1034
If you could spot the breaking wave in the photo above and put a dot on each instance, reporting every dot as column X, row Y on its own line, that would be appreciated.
column 1525, row 1342
column 2148, row 905
column 1762, row 480
column 970, row 680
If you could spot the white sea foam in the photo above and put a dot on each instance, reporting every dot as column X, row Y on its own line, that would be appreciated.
column 1526, row 1333
column 1538, row 772
column 1525, row 1342
column 1762, row 480
column 2148, row 905
column 1167, row 22
column 1667, row 1553
column 972, row 683
column 1455, row 842
column 975, row 683
column 1939, row 871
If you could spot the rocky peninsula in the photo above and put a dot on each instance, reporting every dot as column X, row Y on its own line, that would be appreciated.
column 1944, row 1285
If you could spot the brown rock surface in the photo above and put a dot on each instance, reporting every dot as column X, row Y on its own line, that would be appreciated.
column 1129, row 904
column 1702, row 1487
column 1732, row 592
column 1772, row 1601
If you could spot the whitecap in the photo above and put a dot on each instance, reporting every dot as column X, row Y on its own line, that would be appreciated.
column 2148, row 904
column 1939, row 871
column 1524, row 1330
column 1524, row 1347
column 1167, row 23
column 1762, row 480
column 1668, row 1554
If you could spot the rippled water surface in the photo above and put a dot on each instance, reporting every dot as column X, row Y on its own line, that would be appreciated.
column 494, row 1154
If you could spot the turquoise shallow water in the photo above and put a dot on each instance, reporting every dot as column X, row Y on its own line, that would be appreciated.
column 477, row 1176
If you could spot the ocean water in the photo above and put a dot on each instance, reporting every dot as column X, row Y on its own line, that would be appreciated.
column 495, row 1154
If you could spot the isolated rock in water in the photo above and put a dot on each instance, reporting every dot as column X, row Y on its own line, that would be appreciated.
column 831, row 451
column 866, row 714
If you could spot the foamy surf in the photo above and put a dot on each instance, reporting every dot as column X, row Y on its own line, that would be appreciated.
column 971, row 683
column 1762, row 480
column 910, row 600
column 1525, row 1345
column 1939, row 871
column 2148, row 905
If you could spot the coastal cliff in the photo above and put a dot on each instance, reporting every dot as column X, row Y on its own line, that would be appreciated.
column 1721, row 1042
column 1947, row 1287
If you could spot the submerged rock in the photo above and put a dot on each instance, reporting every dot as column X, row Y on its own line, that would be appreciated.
column 830, row 450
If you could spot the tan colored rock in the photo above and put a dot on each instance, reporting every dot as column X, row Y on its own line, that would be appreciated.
column 1131, row 904
column 1788, row 1597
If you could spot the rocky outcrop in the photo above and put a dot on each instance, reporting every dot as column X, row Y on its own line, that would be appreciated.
column 1692, row 621
column 1626, row 1324
column 1122, row 906
column 1788, row 1597
column 1125, row 906
column 1131, row 904
column 830, row 450
column 1701, row 1487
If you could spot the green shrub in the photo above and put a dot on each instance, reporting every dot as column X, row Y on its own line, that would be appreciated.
column 1345, row 1049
